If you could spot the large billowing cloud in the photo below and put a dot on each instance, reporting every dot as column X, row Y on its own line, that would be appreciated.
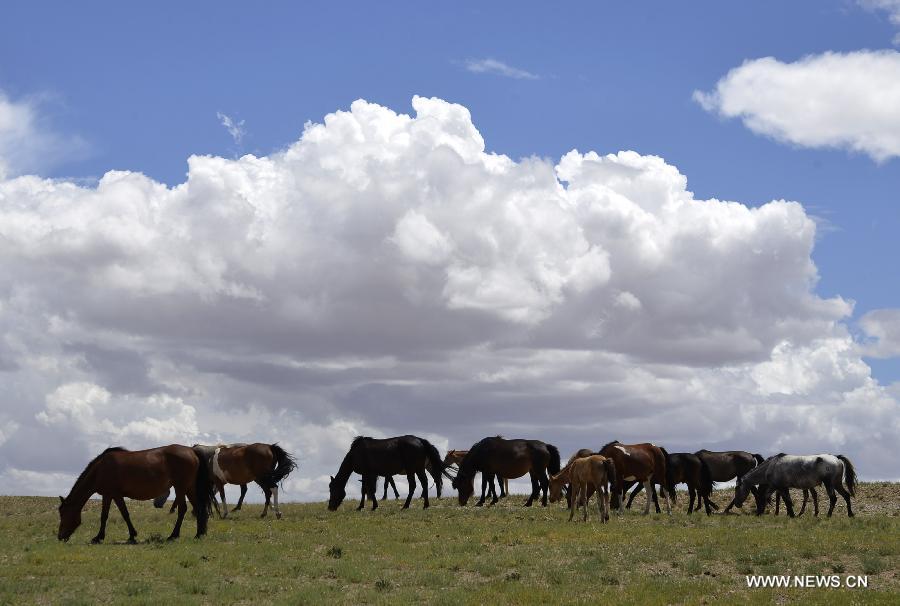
column 833, row 100
column 385, row 274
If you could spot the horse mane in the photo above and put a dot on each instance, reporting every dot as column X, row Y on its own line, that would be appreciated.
column 758, row 470
column 359, row 439
column 94, row 461
column 605, row 446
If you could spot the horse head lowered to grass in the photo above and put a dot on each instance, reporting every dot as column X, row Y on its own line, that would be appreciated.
column 117, row 473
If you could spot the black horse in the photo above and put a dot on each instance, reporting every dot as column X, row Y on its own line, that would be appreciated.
column 501, row 458
column 725, row 466
column 370, row 457
column 686, row 468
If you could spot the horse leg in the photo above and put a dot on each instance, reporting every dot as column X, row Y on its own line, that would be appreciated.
column 241, row 499
column 544, row 482
column 832, row 498
column 394, row 488
column 665, row 494
column 362, row 499
column 844, row 493
column 120, row 503
column 815, row 500
column 182, row 509
column 805, row 499
column 655, row 499
column 648, row 486
column 275, row 502
column 268, row 493
column 692, row 493
column 411, row 480
column 777, row 502
column 504, row 487
column 535, row 487
column 788, row 504
column 386, row 481
column 485, row 487
column 573, row 501
column 423, row 480
column 370, row 483
column 224, row 504
column 104, row 514
column 494, row 497
column 634, row 493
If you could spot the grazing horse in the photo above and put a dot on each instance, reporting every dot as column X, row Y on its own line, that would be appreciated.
column 806, row 493
column 781, row 472
column 645, row 463
column 371, row 458
column 117, row 473
column 265, row 464
column 725, row 466
column 586, row 475
column 685, row 468
column 510, row 459
column 455, row 457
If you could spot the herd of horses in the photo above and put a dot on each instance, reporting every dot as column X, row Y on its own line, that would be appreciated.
column 196, row 473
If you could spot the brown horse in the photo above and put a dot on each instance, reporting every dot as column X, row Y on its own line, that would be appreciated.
column 507, row 459
column 586, row 475
column 683, row 467
column 645, row 463
column 265, row 464
column 117, row 473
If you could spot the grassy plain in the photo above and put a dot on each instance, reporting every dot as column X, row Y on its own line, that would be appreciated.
column 449, row 555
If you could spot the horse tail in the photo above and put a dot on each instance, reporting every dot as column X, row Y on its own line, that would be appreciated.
column 669, row 473
column 706, row 481
column 436, row 464
column 203, row 493
column 554, row 465
column 610, row 466
column 160, row 501
column 759, row 458
column 849, row 475
column 284, row 465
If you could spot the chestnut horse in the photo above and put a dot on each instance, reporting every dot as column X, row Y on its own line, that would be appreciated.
column 645, row 463
column 117, row 473
column 497, row 456
column 586, row 475
column 372, row 457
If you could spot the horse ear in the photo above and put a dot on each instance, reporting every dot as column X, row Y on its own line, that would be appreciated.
column 332, row 478
column 61, row 500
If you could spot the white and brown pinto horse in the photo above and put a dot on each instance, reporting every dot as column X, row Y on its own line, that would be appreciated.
column 586, row 475
column 644, row 463
column 265, row 464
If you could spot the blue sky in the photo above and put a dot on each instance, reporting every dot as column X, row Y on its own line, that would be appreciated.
column 161, row 338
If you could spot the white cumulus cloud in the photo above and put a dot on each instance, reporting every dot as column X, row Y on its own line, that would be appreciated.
column 833, row 100
column 387, row 274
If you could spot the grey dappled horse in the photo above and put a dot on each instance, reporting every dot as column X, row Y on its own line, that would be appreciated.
column 781, row 472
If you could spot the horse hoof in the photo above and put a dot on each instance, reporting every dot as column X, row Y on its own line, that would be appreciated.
column 171, row 538
column 277, row 515
column 96, row 540
column 262, row 515
column 131, row 541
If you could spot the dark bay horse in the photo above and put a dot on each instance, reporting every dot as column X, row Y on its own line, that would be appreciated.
column 496, row 456
column 782, row 472
column 723, row 467
column 645, row 463
column 684, row 468
column 117, row 473
column 455, row 457
column 371, row 457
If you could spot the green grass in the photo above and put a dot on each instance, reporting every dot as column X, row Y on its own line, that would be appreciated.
column 447, row 555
